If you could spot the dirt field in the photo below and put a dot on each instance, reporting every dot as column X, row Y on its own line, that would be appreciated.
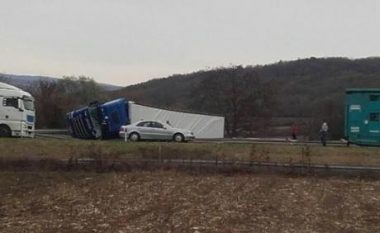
column 168, row 201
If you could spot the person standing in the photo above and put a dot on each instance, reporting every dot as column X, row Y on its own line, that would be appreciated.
column 295, row 130
column 323, row 133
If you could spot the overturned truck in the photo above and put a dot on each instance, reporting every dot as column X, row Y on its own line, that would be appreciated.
column 103, row 120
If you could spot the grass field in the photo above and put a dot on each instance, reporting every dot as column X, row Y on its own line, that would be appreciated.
column 167, row 201
column 72, row 148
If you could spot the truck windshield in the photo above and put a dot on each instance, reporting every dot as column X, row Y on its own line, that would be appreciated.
column 93, row 113
column 28, row 104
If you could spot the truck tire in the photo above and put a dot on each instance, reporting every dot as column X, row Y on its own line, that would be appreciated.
column 134, row 137
column 5, row 131
column 178, row 137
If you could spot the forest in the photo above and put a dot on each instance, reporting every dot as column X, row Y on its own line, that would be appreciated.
column 262, row 100
column 265, row 100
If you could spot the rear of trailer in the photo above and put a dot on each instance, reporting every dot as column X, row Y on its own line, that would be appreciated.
column 362, row 116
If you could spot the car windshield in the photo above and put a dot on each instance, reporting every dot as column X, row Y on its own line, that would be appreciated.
column 28, row 104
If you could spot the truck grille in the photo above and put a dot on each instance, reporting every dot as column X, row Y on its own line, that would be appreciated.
column 79, row 128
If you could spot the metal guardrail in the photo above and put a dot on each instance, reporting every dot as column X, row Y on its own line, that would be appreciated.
column 269, row 140
column 248, row 166
column 52, row 131
column 65, row 132
column 221, row 166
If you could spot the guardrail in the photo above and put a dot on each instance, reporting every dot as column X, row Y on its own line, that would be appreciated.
column 52, row 131
column 207, row 166
column 64, row 134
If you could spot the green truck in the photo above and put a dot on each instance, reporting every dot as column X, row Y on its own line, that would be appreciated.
column 362, row 116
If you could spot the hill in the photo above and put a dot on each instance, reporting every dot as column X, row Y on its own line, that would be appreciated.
column 25, row 81
column 256, row 98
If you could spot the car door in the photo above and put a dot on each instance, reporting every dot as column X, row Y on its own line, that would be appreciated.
column 145, row 130
column 161, row 132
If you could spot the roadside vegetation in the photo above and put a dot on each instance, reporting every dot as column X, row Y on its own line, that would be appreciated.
column 19, row 148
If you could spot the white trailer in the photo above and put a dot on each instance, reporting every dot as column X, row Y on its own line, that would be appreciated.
column 203, row 126
column 17, row 114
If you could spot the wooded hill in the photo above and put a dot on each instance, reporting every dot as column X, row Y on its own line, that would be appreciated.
column 255, row 100
column 259, row 100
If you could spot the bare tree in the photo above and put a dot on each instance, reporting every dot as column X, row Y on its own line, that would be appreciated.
column 236, row 93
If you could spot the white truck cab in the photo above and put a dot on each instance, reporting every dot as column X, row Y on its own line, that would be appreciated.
column 17, row 114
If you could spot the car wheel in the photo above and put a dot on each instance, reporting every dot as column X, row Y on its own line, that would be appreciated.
column 134, row 137
column 5, row 131
column 178, row 137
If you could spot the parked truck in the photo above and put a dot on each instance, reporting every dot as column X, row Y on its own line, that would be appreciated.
column 362, row 116
column 17, row 114
column 104, row 120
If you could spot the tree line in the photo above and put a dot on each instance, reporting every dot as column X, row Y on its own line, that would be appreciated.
column 53, row 100
column 255, row 100
column 262, row 100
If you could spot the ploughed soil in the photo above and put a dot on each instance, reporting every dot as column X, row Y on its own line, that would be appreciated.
column 170, row 201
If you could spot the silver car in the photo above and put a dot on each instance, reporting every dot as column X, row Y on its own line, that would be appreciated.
column 154, row 130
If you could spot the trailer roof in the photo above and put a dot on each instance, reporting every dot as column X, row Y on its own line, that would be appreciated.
column 363, row 90
column 9, row 90
column 9, row 87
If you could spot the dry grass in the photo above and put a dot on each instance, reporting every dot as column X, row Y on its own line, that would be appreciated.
column 166, row 201
column 65, row 149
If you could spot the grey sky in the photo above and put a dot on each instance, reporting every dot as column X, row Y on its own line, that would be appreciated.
column 126, row 42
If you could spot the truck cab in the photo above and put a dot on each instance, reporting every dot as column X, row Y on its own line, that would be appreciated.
column 17, row 114
column 98, row 120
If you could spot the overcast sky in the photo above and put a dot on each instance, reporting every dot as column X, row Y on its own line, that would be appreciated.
column 130, row 41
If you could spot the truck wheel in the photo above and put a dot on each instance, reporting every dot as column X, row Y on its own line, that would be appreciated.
column 134, row 137
column 178, row 137
column 5, row 131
